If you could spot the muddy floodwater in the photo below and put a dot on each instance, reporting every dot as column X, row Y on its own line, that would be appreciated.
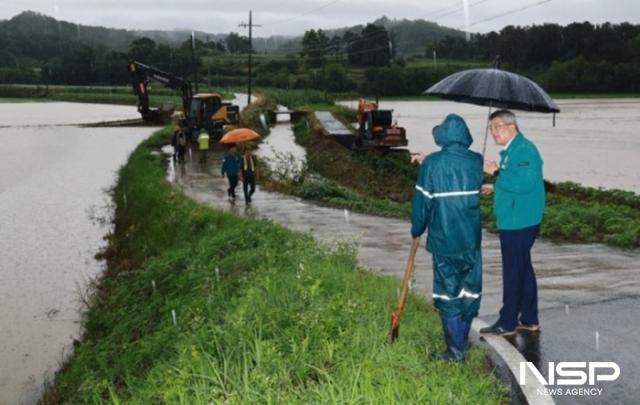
column 594, row 142
column 52, row 197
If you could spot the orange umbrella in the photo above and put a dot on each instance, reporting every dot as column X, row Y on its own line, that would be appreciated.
column 239, row 135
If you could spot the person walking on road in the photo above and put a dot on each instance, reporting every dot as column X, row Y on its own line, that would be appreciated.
column 231, row 167
column 248, row 170
column 446, row 202
column 518, row 204
column 203, row 146
column 181, row 142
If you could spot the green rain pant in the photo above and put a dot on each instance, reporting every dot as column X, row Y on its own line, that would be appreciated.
column 457, row 284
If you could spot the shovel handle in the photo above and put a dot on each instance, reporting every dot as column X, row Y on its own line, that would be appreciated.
column 402, row 298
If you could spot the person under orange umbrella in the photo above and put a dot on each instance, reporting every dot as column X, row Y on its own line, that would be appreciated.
column 231, row 167
column 248, row 170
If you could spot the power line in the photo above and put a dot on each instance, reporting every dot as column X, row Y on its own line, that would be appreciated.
column 494, row 17
column 303, row 14
column 517, row 10
column 491, row 18
column 436, row 14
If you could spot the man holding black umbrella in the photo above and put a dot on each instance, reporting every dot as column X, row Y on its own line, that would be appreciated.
column 518, row 205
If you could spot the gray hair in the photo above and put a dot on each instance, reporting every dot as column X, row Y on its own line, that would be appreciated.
column 505, row 115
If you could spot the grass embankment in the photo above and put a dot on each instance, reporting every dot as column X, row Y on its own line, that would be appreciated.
column 158, row 95
column 383, row 183
column 263, row 315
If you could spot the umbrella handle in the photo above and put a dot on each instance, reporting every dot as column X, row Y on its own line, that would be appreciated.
column 486, row 133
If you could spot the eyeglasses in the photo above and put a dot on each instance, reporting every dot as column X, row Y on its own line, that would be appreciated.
column 498, row 126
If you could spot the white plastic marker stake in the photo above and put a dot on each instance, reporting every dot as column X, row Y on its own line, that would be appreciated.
column 597, row 341
column 346, row 216
column 153, row 284
column 173, row 315
column 217, row 274
column 566, row 309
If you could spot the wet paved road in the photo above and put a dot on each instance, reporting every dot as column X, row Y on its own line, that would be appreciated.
column 572, row 278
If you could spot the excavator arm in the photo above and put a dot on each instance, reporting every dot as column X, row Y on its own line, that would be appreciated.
column 141, row 74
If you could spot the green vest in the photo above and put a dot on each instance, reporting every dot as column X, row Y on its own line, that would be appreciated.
column 203, row 141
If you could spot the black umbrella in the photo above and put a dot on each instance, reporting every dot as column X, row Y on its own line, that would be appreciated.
column 494, row 88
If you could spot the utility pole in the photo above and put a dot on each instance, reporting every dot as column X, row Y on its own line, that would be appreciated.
column 193, row 58
column 250, row 25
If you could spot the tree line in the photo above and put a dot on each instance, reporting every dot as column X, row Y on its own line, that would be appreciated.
column 578, row 57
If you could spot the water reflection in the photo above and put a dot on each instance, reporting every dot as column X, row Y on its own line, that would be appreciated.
column 528, row 344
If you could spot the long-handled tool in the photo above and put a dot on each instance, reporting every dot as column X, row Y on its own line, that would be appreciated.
column 395, row 316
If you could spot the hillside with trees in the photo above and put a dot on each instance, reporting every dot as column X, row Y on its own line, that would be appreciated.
column 386, row 58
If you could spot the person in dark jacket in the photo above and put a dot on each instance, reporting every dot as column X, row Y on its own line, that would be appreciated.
column 446, row 202
column 231, row 167
column 518, row 204
column 248, row 170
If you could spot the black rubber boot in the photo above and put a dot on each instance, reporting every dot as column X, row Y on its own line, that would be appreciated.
column 454, row 330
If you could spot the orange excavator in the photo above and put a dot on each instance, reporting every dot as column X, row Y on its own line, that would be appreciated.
column 376, row 127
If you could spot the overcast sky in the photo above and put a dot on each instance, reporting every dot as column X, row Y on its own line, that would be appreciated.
column 290, row 17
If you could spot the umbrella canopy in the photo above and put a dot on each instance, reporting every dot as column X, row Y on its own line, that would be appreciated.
column 494, row 88
column 239, row 135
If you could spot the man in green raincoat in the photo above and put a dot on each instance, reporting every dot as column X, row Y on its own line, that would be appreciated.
column 446, row 202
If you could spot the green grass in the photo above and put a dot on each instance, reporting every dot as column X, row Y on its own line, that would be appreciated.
column 264, row 315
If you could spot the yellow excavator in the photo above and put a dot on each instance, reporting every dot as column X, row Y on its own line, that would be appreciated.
column 201, row 111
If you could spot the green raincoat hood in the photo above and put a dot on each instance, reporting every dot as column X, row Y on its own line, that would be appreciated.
column 453, row 130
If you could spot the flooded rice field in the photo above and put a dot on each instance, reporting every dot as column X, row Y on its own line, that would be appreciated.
column 594, row 142
column 52, row 209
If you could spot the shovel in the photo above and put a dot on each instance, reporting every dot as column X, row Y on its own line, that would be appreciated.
column 395, row 316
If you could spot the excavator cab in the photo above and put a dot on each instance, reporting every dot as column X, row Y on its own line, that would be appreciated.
column 376, row 127
column 209, row 112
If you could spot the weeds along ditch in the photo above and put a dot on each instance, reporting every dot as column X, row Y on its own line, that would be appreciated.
column 200, row 306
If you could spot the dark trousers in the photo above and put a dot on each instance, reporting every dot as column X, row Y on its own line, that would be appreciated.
column 181, row 149
column 233, row 183
column 248, row 186
column 457, row 284
column 519, row 287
